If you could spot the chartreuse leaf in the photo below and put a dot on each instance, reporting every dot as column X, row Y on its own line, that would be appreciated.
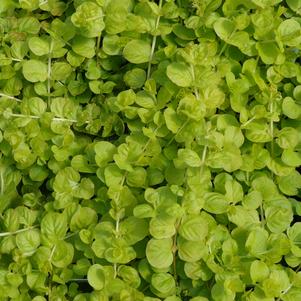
column 259, row 271
column 63, row 254
column 39, row 46
column 294, row 5
column 53, row 227
column 215, row 203
column 189, row 157
column 180, row 74
column 35, row 71
column 104, row 152
column 159, row 252
column 162, row 226
column 96, row 276
column 163, row 284
column 89, row 18
column 28, row 242
column 194, row 228
column 137, row 51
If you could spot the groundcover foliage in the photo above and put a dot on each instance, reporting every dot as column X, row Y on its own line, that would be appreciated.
column 149, row 150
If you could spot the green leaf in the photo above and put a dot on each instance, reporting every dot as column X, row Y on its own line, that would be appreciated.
column 294, row 5
column 83, row 218
column 129, row 275
column 215, row 203
column 191, row 251
column 234, row 192
column 39, row 46
column 133, row 230
column 29, row 5
column 279, row 218
column 35, row 71
column 179, row 74
column 268, row 51
column 162, row 226
column 259, row 271
column 28, row 242
column 63, row 254
column 189, row 157
column 224, row 28
column 159, row 252
column 60, row 71
column 290, row 108
column 256, row 242
column 290, row 184
column 96, row 276
column 137, row 51
column 194, row 228
column 53, row 227
column 289, row 32
column 83, row 46
column 135, row 78
column 104, row 152
column 89, row 18
column 163, row 284
column 252, row 200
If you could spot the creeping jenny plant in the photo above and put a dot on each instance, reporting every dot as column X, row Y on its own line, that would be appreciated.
column 149, row 150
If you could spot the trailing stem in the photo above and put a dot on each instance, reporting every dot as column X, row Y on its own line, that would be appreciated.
column 196, row 91
column 38, row 117
column 1, row 183
column 203, row 158
column 10, row 97
column 49, row 73
column 154, row 41
column 97, row 49
column 117, row 224
column 16, row 232
column 174, row 251
column 272, row 128
column 178, row 132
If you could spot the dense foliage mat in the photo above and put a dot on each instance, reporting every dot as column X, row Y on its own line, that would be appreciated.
column 150, row 150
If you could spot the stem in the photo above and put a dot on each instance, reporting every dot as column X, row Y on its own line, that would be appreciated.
column 226, row 44
column 247, row 122
column 118, row 220
column 285, row 292
column 48, row 78
column 272, row 128
column 174, row 250
column 71, row 234
column 52, row 252
column 248, row 177
column 49, row 72
column 196, row 91
column 147, row 144
column 24, row 116
column 10, row 97
column 64, row 119
column 115, row 270
column 16, row 232
column 38, row 117
column 154, row 43
column 204, row 158
column 97, row 48
column 179, row 130
column 1, row 183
